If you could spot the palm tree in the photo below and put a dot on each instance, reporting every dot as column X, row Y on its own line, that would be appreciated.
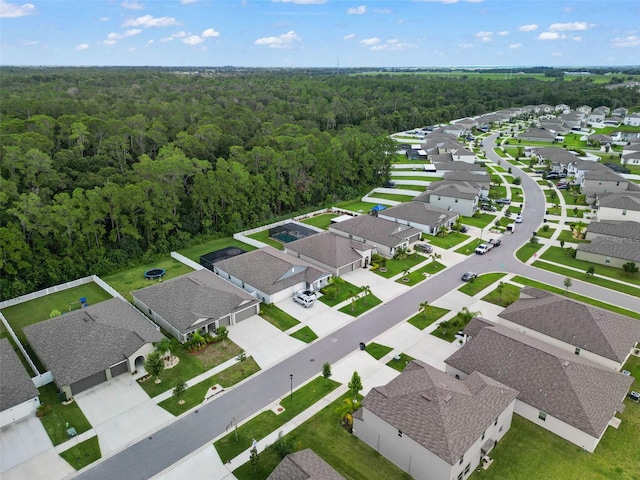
column 164, row 347
column 466, row 315
column 405, row 274
column 366, row 290
column 353, row 296
column 424, row 306
column 345, row 413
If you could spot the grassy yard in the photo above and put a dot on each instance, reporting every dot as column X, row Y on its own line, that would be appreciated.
column 34, row 311
column 480, row 221
column 357, row 206
column 400, row 364
column 196, row 251
column 575, row 296
column 450, row 241
column 546, row 233
column 266, row 422
column 573, row 198
column 305, row 334
column 83, row 454
column 195, row 395
column 277, row 317
column 527, row 449
column 469, row 248
column 55, row 422
column 377, row 351
column 525, row 252
column 417, row 188
column 361, row 305
column 395, row 267
column 423, row 319
column 320, row 221
column 559, row 255
column 480, row 283
column 126, row 281
column 510, row 293
column 421, row 273
column 263, row 237
column 344, row 291
column 393, row 197
column 567, row 236
column 498, row 192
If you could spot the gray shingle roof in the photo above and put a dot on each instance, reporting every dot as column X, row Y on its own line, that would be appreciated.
column 622, row 248
column 473, row 178
column 304, row 465
column 15, row 384
column 615, row 228
column 184, row 300
column 328, row 249
column 604, row 175
column 622, row 201
column 271, row 270
column 419, row 212
column 448, row 188
column 555, row 154
column 587, row 165
column 377, row 230
column 538, row 133
column 567, row 387
column 441, row 413
column 602, row 332
column 455, row 166
column 83, row 342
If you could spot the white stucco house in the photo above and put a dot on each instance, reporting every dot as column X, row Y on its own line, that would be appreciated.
column 421, row 215
column 619, row 206
column 452, row 196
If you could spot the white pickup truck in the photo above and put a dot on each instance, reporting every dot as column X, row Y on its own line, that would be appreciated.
column 484, row 248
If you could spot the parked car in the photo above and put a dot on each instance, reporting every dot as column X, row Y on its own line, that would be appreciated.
column 487, row 208
column 495, row 242
column 424, row 247
column 562, row 175
column 503, row 201
column 540, row 172
column 484, row 248
column 306, row 298
column 519, row 219
column 484, row 200
column 468, row 276
column 553, row 175
column 562, row 185
column 464, row 229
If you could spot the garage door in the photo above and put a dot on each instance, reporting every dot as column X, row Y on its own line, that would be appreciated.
column 244, row 314
column 119, row 369
column 88, row 382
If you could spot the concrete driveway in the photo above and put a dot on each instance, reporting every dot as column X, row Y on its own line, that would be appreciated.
column 47, row 465
column 120, row 412
column 22, row 441
column 320, row 318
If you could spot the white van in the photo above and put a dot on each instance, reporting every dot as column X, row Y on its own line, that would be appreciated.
column 306, row 298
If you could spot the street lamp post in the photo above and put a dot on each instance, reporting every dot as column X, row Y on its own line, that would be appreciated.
column 291, row 378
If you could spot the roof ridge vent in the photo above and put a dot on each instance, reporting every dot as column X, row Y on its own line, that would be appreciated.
column 448, row 397
column 426, row 396
column 565, row 363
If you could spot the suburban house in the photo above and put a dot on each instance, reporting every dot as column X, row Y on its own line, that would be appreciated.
column 597, row 182
column 578, row 167
column 572, row 119
column 564, row 393
column 420, row 215
column 633, row 120
column 270, row 274
column 384, row 236
column 598, row 335
column 538, row 135
column 613, row 229
column 433, row 426
column 558, row 157
column 620, row 112
column 597, row 115
column 619, row 206
column 86, row 347
column 445, row 163
column 632, row 157
column 18, row 394
column 304, row 465
column 458, row 197
column 480, row 181
column 614, row 252
column 330, row 252
column 599, row 139
column 199, row 301
column 584, row 109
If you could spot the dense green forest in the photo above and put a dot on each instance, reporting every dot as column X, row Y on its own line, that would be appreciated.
column 102, row 167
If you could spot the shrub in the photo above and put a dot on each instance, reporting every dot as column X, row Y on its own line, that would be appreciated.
column 545, row 227
column 43, row 410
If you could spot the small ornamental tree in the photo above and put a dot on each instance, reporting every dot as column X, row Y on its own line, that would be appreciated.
column 355, row 385
column 154, row 365
column 630, row 268
column 326, row 371
column 567, row 283
column 179, row 390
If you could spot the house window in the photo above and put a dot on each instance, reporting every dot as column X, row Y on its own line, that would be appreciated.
column 542, row 416
column 400, row 433
column 495, row 423
column 461, row 476
column 467, row 468
column 461, row 460
column 617, row 184
column 150, row 312
column 607, row 260
column 500, row 428
column 624, row 212
column 577, row 352
column 483, row 434
column 350, row 236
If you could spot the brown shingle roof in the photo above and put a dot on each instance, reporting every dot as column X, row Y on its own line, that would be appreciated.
column 441, row 413
column 567, row 387
column 304, row 465
column 15, row 384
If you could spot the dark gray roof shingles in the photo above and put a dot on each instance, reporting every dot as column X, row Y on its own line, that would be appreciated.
column 15, row 384
column 377, row 230
column 304, row 465
column 328, row 249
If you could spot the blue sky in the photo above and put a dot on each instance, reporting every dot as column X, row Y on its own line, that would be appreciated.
column 316, row 33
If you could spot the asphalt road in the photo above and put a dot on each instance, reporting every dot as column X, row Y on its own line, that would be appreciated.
column 160, row 450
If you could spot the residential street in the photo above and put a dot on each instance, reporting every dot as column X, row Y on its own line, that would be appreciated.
column 163, row 448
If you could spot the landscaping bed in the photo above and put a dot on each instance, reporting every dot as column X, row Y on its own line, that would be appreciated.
column 338, row 291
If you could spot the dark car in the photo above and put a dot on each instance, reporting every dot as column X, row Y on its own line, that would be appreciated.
column 540, row 172
column 464, row 229
column 424, row 247
column 468, row 276
column 487, row 207
column 553, row 175
column 503, row 201
column 496, row 242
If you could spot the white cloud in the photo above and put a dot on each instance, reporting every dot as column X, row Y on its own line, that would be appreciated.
column 174, row 35
column 557, row 54
column 113, row 37
column 193, row 40
column 210, row 32
column 528, row 28
column 551, row 36
column 13, row 10
column 109, row 42
column 187, row 2
column 623, row 42
column 82, row 46
column 349, row 37
column 368, row 42
column 392, row 45
column 281, row 41
column 567, row 9
column 576, row 39
column 131, row 49
column 382, row 11
column 150, row 42
column 564, row 27
column 301, row 2
column 450, row 1
column 103, row 19
column 361, row 10
column 484, row 36
column 147, row 21
column 467, row 45
column 503, row 33
column 515, row 45
column 133, row 5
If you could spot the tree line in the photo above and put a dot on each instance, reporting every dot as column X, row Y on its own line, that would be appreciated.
column 101, row 167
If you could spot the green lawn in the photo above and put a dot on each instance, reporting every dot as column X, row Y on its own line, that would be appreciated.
column 344, row 291
column 393, row 197
column 196, row 251
column 500, row 153
column 263, row 236
column 480, row 283
column 126, row 281
column 498, row 168
column 34, row 311
column 451, row 240
column 55, row 422
column 320, row 221
column 418, row 275
column 447, row 330
column 195, row 395
column 468, row 248
column 527, row 450
column 423, row 319
column 559, row 255
column 525, row 252
column 573, row 198
column 395, row 267
column 377, row 351
column 546, row 234
column 277, row 317
column 417, row 188
column 266, row 422
column 357, row 206
column 480, row 221
column 575, row 296
column 83, row 454
column 510, row 293
column 567, row 236
column 498, row 192
column 361, row 305
column 400, row 364
column 305, row 334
